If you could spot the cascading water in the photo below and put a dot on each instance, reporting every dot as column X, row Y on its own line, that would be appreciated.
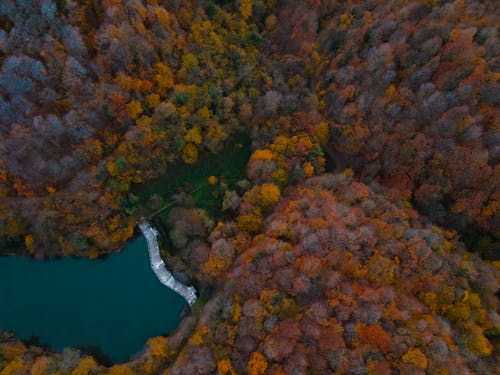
column 159, row 268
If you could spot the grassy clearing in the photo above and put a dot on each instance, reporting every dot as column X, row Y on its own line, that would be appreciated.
column 228, row 167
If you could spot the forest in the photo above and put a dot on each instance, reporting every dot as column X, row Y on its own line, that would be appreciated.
column 326, row 173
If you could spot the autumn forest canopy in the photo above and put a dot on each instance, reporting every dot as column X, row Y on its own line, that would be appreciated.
column 326, row 173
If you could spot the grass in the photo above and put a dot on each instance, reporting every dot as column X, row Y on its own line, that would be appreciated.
column 228, row 166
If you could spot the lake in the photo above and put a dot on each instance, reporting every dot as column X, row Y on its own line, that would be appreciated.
column 114, row 304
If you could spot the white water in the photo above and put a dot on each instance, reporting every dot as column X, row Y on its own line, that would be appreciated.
column 159, row 268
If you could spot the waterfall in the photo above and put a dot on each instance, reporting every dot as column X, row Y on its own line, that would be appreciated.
column 159, row 268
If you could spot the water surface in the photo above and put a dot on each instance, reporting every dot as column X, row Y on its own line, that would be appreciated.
column 114, row 304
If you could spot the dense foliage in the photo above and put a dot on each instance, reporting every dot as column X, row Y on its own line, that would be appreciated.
column 408, row 94
column 342, row 278
column 114, row 110
column 411, row 93
column 91, row 108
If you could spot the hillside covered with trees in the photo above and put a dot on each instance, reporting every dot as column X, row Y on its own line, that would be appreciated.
column 326, row 173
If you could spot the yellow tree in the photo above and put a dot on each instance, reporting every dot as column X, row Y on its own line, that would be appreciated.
column 29, row 241
column 415, row 357
column 121, row 370
column 189, row 154
column 164, row 78
column 246, row 9
column 158, row 346
column 270, row 195
column 257, row 364
column 224, row 367
column 85, row 366
column 251, row 222
column 134, row 109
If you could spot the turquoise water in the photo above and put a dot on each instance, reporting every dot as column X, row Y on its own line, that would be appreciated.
column 114, row 304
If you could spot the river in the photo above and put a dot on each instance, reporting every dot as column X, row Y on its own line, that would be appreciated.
column 114, row 304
